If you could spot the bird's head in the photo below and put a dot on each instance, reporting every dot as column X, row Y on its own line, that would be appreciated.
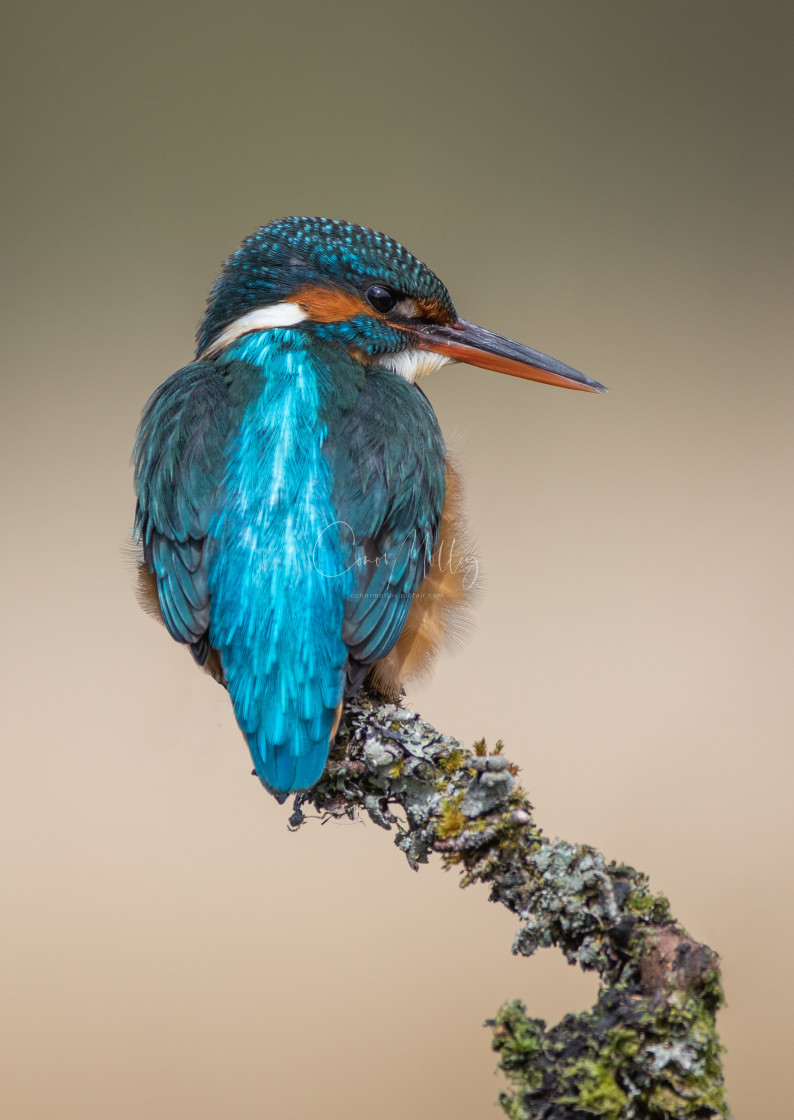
column 364, row 291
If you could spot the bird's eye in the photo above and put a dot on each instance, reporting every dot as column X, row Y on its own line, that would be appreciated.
column 381, row 299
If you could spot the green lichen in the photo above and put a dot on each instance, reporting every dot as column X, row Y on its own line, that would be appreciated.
column 518, row 1039
column 451, row 820
column 659, row 1061
column 455, row 761
column 653, row 908
column 597, row 1090
column 648, row 1049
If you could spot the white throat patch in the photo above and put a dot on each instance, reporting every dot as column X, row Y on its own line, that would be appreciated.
column 260, row 319
column 414, row 363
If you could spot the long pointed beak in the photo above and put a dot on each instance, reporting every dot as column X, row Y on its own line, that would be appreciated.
column 476, row 346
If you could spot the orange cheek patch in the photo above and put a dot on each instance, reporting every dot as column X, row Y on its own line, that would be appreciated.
column 329, row 305
column 434, row 312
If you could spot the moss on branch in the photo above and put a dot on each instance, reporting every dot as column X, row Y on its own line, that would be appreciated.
column 648, row 1049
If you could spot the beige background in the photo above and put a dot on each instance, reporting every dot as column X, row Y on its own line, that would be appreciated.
column 609, row 182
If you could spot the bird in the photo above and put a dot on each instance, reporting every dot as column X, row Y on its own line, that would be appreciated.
column 294, row 490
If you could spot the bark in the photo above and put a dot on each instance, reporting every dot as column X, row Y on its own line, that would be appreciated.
column 648, row 1049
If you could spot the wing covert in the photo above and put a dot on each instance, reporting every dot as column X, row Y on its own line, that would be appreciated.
column 388, row 463
column 178, row 457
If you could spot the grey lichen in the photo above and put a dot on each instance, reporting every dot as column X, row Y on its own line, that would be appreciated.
column 648, row 1049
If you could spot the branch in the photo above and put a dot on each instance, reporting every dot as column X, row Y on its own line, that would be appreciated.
column 648, row 1049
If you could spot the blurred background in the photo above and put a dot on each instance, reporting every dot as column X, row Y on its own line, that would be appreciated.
column 610, row 183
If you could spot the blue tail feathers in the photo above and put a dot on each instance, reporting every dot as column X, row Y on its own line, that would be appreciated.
column 277, row 582
column 281, row 769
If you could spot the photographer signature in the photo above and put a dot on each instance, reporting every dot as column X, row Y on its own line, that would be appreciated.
column 445, row 557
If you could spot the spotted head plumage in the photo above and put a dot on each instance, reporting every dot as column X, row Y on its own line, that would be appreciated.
column 343, row 281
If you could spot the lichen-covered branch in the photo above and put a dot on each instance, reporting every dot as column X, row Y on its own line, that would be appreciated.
column 648, row 1049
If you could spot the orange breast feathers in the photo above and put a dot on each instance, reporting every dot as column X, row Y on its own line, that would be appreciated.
column 440, row 611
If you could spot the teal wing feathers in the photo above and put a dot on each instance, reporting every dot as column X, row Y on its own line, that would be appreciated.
column 388, row 462
column 178, row 457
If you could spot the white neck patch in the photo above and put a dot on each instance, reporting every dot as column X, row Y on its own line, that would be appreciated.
column 410, row 364
column 260, row 319
column 414, row 363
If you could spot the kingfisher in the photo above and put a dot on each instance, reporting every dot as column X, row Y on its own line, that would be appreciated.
column 294, row 491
